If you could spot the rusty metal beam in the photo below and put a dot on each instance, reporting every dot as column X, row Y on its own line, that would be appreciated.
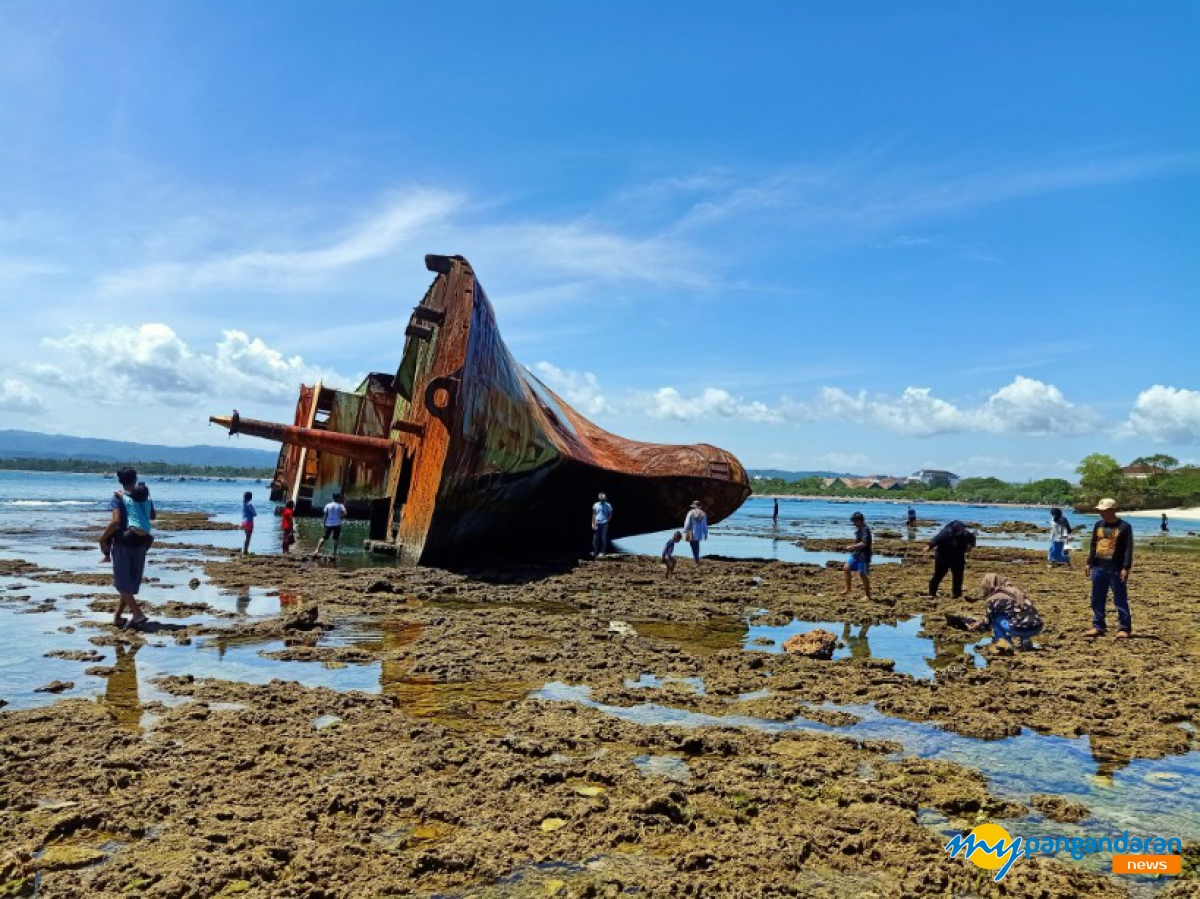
column 348, row 446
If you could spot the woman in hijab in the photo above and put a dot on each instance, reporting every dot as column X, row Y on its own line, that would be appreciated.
column 1010, row 614
column 1060, row 533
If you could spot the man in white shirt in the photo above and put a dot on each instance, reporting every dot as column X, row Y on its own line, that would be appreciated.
column 335, row 514
column 602, row 514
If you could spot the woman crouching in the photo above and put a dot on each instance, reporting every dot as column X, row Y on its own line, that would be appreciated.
column 1010, row 614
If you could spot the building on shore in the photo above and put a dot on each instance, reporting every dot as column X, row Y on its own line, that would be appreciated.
column 934, row 477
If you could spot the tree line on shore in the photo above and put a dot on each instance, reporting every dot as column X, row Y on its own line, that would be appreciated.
column 1161, row 482
column 101, row 466
column 1165, row 484
column 1052, row 491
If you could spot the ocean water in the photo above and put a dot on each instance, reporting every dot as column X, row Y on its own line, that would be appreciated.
column 40, row 513
column 49, row 501
column 750, row 532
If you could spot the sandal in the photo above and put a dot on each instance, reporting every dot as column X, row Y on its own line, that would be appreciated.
column 136, row 624
column 1093, row 632
column 1123, row 635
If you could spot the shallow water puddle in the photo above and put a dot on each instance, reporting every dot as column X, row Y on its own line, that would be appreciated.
column 42, row 616
column 450, row 703
column 764, row 693
column 563, row 878
column 663, row 767
column 653, row 682
column 914, row 655
column 1160, row 796
column 700, row 638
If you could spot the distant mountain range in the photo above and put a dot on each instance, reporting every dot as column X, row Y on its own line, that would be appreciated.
column 32, row 445
column 795, row 475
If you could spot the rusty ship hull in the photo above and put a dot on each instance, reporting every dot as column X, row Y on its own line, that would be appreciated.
column 463, row 452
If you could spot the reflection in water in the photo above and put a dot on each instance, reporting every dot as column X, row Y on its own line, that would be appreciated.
column 860, row 646
column 913, row 654
column 422, row 695
column 700, row 638
column 121, row 690
column 951, row 650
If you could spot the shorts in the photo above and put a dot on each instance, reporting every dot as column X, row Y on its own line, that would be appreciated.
column 289, row 537
column 859, row 565
column 129, row 564
column 248, row 527
column 334, row 531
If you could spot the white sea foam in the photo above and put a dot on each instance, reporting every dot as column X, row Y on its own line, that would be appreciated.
column 48, row 502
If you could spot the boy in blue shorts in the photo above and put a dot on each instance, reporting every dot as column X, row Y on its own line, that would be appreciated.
column 668, row 553
column 860, row 555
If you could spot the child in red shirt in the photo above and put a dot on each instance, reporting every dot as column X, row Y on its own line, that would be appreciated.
column 289, row 533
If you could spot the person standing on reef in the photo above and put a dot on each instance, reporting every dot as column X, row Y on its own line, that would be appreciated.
column 911, row 518
column 860, row 555
column 1165, row 527
column 335, row 514
column 602, row 513
column 248, row 515
column 1108, row 564
column 1060, row 533
column 775, row 514
column 695, row 528
column 126, row 540
column 950, row 547
column 287, row 519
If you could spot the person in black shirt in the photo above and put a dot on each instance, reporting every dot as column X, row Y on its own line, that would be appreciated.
column 1108, row 564
column 950, row 548
column 860, row 555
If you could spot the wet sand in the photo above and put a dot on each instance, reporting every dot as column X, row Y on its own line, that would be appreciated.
column 468, row 775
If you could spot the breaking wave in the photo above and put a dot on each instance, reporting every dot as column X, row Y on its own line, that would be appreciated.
column 48, row 502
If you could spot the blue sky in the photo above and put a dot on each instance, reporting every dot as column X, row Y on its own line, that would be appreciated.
column 869, row 236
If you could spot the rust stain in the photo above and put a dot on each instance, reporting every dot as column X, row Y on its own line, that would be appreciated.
column 463, row 450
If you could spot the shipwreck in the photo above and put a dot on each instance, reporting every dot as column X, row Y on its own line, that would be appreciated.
column 464, row 452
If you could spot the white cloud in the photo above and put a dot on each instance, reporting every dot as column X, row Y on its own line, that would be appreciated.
column 712, row 402
column 580, row 389
column 915, row 413
column 151, row 363
column 1023, row 407
column 1004, row 467
column 1166, row 415
column 400, row 219
column 590, row 251
column 17, row 396
column 1026, row 406
column 847, row 462
column 1029, row 406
